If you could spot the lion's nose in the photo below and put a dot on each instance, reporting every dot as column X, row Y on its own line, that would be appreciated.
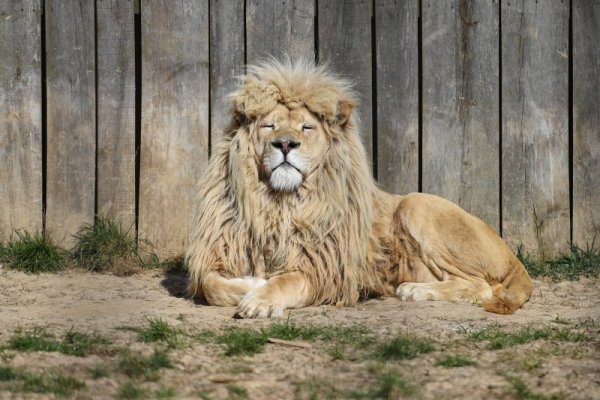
column 285, row 145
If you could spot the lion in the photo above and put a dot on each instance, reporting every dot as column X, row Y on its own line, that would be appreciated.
column 289, row 215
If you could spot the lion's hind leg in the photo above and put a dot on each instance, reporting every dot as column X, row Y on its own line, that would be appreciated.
column 221, row 291
column 453, row 289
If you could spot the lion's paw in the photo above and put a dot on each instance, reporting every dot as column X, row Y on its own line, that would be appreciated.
column 254, row 305
column 410, row 291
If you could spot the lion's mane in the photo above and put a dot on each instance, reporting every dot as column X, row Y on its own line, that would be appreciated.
column 324, row 230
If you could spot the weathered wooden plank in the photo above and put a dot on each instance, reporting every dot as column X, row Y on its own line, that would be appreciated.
column 226, row 59
column 586, row 121
column 174, row 148
column 460, row 104
column 116, row 110
column 345, row 44
column 71, row 117
column 397, row 94
column 535, row 158
column 20, row 117
column 280, row 27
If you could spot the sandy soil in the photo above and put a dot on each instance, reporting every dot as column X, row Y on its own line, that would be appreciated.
column 104, row 304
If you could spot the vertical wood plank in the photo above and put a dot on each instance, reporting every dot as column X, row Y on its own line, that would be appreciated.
column 586, row 121
column 345, row 44
column 116, row 110
column 535, row 159
column 174, row 148
column 460, row 104
column 280, row 27
column 71, row 117
column 397, row 94
column 20, row 117
column 227, row 55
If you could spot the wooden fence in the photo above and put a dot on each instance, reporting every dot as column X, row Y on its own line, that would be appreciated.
column 110, row 107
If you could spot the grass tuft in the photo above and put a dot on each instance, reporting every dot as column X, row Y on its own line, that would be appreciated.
column 240, row 341
column 237, row 392
column 106, row 245
column 576, row 263
column 33, row 253
column 404, row 347
column 522, row 392
column 174, row 265
column 498, row 339
column 165, row 393
column 290, row 331
column 159, row 330
column 454, row 361
column 58, row 384
column 99, row 371
column 137, row 366
column 391, row 386
column 131, row 391
column 39, row 339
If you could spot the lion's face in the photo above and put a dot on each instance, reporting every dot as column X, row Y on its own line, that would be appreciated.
column 289, row 144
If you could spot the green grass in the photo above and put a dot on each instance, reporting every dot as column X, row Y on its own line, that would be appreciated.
column 403, row 347
column 33, row 253
column 521, row 391
column 247, row 341
column 291, row 331
column 146, row 367
column 159, row 330
column 241, row 341
column 499, row 339
column 165, row 393
column 576, row 263
column 130, row 390
column 58, row 384
column 72, row 343
column 390, row 385
column 99, row 371
column 174, row 265
column 337, row 352
column 105, row 245
column 236, row 392
column 454, row 361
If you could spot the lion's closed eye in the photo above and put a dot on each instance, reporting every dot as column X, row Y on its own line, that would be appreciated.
column 306, row 128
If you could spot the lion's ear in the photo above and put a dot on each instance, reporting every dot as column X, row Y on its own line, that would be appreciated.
column 345, row 110
column 239, row 114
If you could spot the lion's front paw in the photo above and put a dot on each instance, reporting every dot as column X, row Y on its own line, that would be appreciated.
column 257, row 304
column 410, row 291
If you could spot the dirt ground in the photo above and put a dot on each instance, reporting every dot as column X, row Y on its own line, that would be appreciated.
column 105, row 304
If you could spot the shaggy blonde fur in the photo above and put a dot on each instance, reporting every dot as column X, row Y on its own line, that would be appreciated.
column 336, row 238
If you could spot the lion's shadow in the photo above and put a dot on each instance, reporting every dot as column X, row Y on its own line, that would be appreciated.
column 176, row 285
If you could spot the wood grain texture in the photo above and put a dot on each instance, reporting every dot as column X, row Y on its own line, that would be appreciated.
column 20, row 117
column 461, row 106
column 227, row 55
column 116, row 110
column 397, row 94
column 535, row 148
column 71, row 117
column 280, row 27
column 586, row 121
column 174, row 147
column 345, row 44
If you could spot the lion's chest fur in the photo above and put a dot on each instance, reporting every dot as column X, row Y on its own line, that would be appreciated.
column 271, row 232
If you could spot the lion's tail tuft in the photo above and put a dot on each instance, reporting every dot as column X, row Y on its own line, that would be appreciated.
column 512, row 293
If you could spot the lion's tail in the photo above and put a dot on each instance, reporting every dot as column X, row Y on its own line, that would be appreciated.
column 512, row 292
